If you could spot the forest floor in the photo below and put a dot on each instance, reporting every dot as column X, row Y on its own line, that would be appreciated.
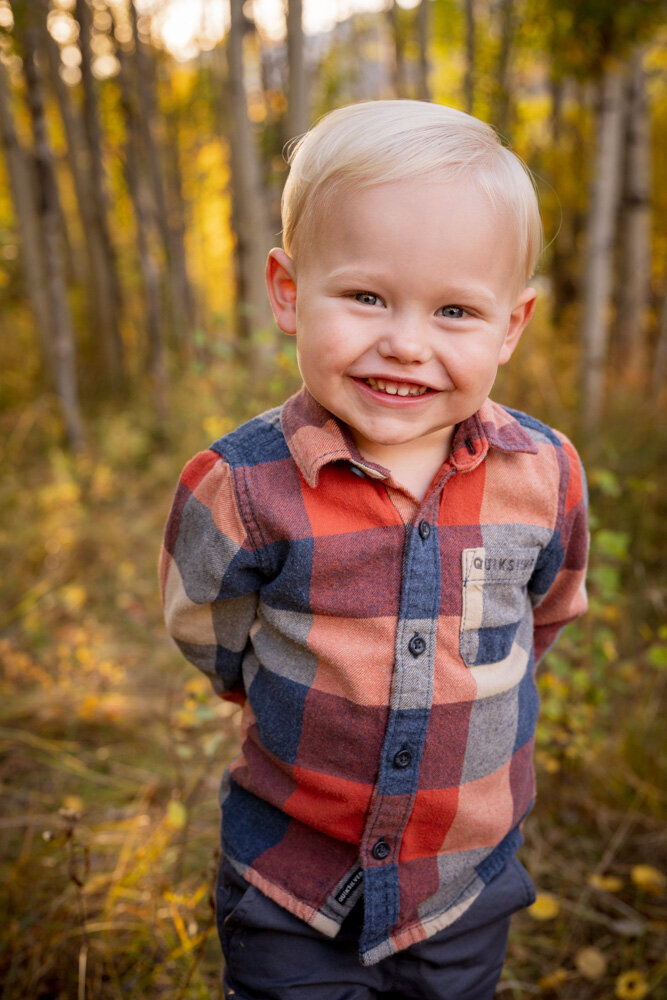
column 111, row 747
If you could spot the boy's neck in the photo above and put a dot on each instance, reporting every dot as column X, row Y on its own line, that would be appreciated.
column 413, row 464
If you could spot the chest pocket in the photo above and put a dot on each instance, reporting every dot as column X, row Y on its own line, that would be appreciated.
column 494, row 601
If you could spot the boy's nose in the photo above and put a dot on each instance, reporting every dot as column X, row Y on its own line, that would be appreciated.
column 405, row 345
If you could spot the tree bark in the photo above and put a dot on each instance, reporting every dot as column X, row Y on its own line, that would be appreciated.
column 398, row 68
column 423, row 37
column 20, row 174
column 254, row 317
column 503, row 102
column 148, row 261
column 599, row 259
column 298, row 117
column 95, row 272
column 180, row 290
column 103, row 260
column 634, row 281
column 471, row 56
column 48, row 203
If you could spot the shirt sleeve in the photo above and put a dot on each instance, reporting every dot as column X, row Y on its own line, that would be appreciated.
column 210, row 574
column 559, row 582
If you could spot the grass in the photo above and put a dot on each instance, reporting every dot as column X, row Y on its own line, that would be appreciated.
column 111, row 748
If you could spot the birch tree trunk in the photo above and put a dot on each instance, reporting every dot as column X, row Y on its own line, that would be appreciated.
column 181, row 298
column 298, row 117
column 254, row 317
column 48, row 203
column 146, row 238
column 96, row 277
column 103, row 258
column 502, row 111
column 471, row 56
column 20, row 174
column 423, row 38
column 601, row 231
column 634, row 281
column 398, row 68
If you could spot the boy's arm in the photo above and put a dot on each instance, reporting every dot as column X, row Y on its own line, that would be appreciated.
column 209, row 574
column 558, row 586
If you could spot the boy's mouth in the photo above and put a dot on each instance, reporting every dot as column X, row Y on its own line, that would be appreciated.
column 396, row 388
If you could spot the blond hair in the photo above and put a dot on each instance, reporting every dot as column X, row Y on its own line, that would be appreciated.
column 377, row 142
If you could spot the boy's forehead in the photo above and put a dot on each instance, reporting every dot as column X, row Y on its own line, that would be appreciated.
column 402, row 201
column 409, row 212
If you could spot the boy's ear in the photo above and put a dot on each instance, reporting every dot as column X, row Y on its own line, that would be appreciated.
column 281, row 286
column 519, row 319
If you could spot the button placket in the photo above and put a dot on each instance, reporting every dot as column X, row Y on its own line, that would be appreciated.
column 411, row 699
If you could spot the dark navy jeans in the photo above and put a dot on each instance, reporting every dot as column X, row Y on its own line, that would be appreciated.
column 272, row 955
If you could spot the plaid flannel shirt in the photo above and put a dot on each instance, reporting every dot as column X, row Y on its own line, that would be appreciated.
column 383, row 650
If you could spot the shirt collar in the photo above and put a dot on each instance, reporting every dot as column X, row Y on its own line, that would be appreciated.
column 316, row 438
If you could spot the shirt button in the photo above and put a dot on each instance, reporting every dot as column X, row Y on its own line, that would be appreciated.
column 381, row 850
column 403, row 759
column 424, row 530
column 417, row 644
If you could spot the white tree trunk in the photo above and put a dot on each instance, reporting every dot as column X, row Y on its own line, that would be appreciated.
column 471, row 56
column 255, row 319
column 634, row 284
column 180, row 295
column 298, row 118
column 147, row 238
column 48, row 202
column 104, row 260
column 19, row 170
column 601, row 231
column 423, row 32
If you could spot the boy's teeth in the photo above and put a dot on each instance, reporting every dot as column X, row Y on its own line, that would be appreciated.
column 396, row 388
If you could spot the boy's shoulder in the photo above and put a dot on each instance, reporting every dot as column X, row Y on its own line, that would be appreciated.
column 539, row 432
column 255, row 442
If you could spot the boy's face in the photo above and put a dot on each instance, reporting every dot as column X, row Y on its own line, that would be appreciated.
column 406, row 300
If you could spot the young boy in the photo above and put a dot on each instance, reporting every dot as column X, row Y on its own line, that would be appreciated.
column 374, row 569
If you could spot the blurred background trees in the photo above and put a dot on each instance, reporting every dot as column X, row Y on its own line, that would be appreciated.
column 141, row 167
column 112, row 112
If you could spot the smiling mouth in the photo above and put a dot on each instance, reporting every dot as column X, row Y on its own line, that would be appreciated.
column 396, row 388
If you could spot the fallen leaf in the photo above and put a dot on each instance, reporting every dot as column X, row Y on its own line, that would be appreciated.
column 177, row 815
column 552, row 981
column 545, row 907
column 649, row 879
column 608, row 883
column 590, row 963
column 631, row 985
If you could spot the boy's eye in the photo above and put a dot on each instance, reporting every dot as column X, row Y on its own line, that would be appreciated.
column 367, row 298
column 451, row 312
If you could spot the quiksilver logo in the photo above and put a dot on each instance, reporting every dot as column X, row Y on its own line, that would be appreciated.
column 350, row 885
column 509, row 565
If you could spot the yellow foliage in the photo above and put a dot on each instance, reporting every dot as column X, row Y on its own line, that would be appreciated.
column 551, row 982
column 215, row 427
column 631, row 985
column 649, row 879
column 73, row 803
column 545, row 907
column 608, row 883
column 590, row 963
column 177, row 815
